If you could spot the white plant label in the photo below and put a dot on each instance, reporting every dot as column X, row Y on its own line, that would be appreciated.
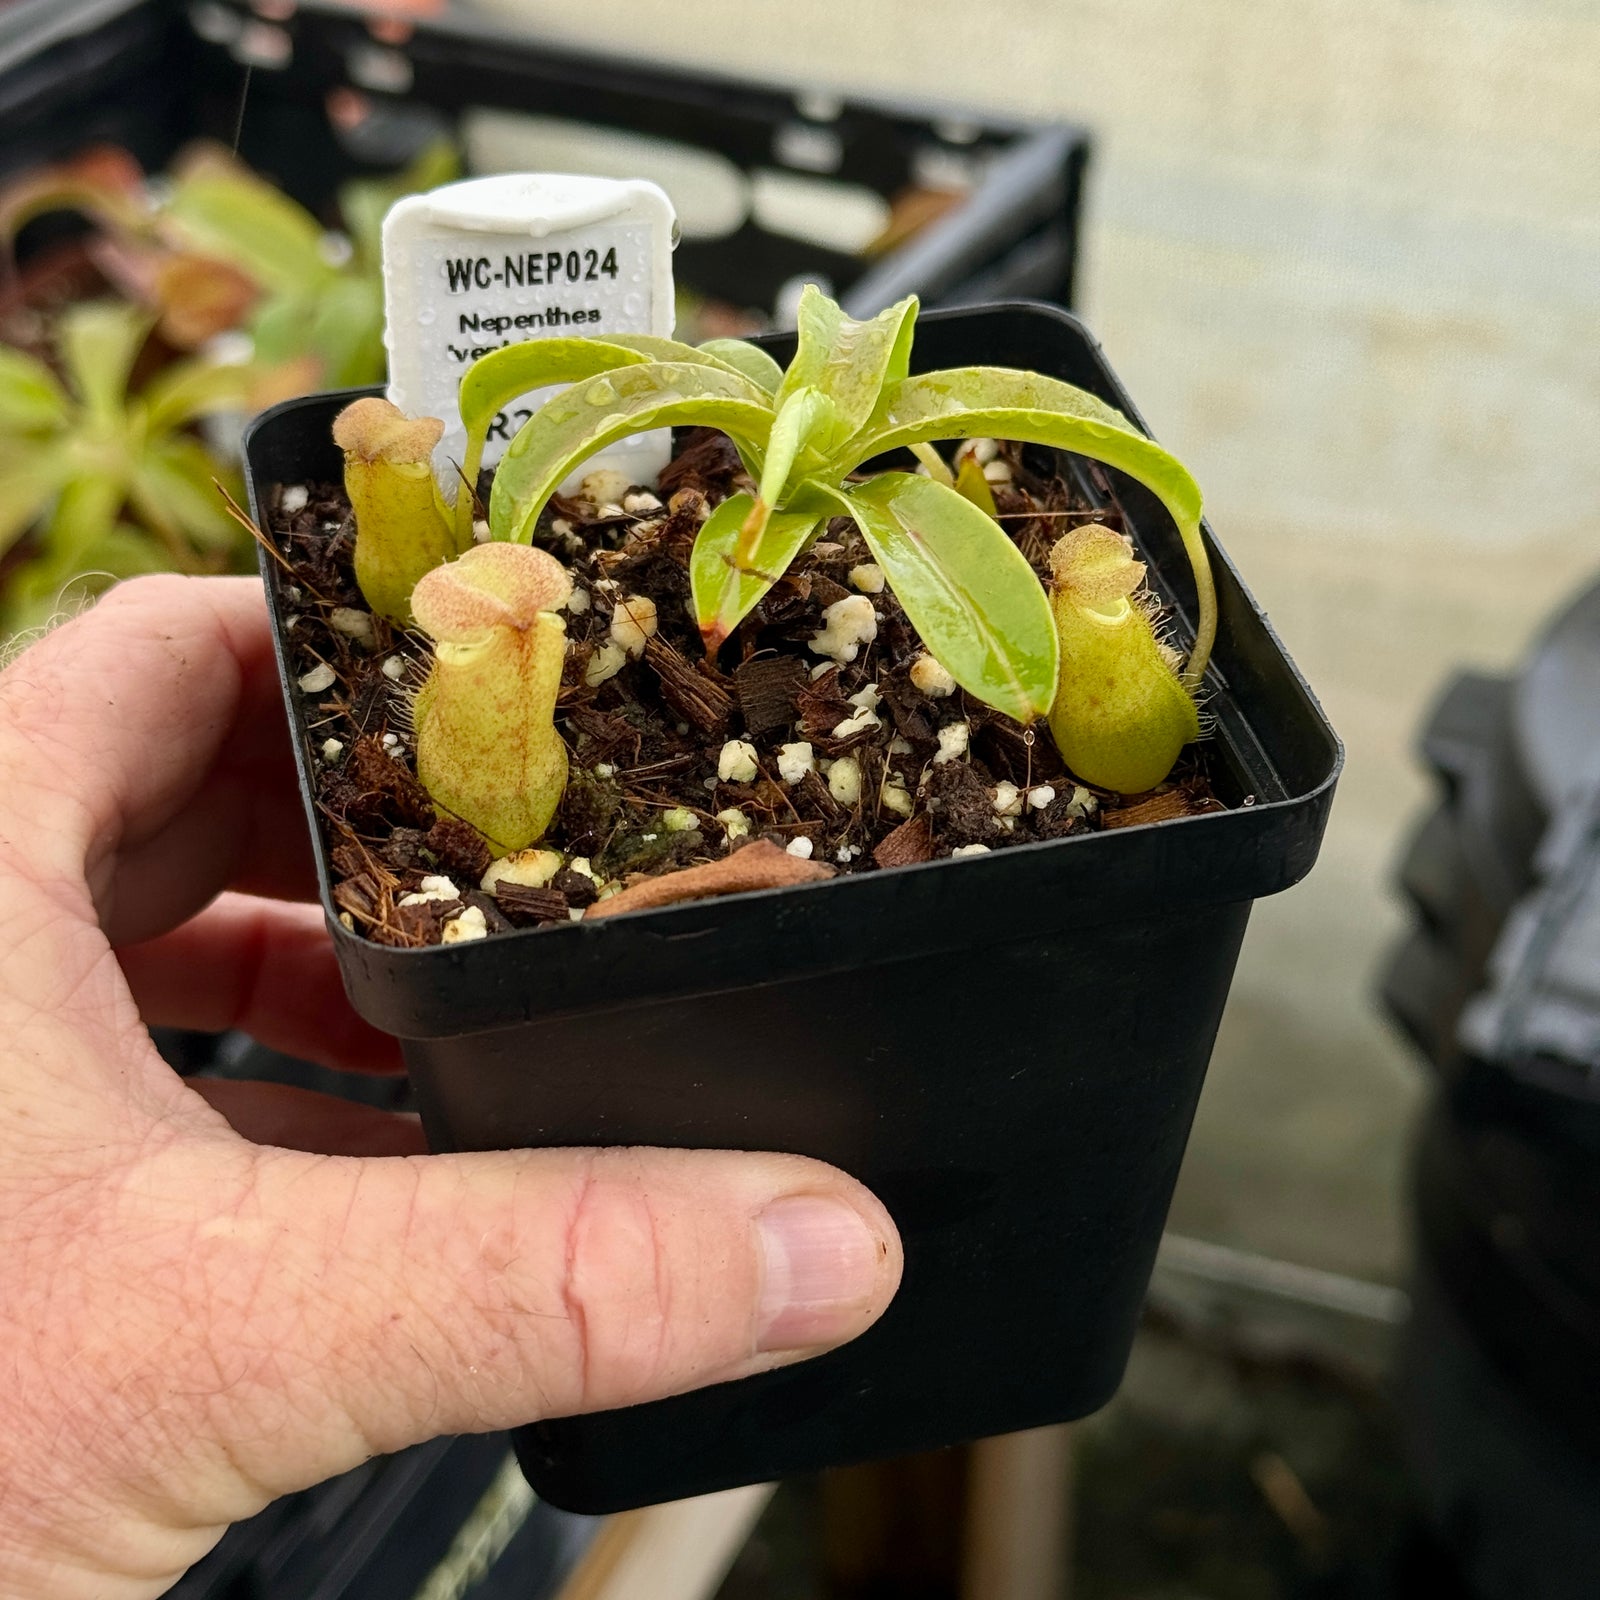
column 492, row 261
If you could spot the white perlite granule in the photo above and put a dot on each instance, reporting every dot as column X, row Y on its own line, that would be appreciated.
column 737, row 762
column 846, row 625
column 435, row 888
column 931, row 678
column 795, row 761
column 953, row 738
column 471, row 924
column 844, row 780
column 633, row 623
column 605, row 663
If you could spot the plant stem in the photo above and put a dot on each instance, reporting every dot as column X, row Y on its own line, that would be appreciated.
column 467, row 488
column 938, row 470
column 750, row 531
column 1205, row 633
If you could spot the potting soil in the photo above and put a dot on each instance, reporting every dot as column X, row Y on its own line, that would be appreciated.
column 860, row 763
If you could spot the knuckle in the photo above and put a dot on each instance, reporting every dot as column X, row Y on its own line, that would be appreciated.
column 617, row 1290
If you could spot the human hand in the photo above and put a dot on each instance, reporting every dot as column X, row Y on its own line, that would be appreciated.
column 192, row 1324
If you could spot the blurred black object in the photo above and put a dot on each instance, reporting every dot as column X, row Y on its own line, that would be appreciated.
column 450, row 1520
column 314, row 94
column 234, row 1055
column 1499, row 985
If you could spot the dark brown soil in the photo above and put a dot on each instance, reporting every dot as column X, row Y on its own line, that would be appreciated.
column 644, row 793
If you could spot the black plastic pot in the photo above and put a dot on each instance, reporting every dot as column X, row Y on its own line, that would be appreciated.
column 1007, row 1049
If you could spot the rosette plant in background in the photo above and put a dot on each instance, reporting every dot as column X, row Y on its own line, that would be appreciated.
column 133, row 354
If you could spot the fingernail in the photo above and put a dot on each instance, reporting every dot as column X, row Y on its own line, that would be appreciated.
column 822, row 1272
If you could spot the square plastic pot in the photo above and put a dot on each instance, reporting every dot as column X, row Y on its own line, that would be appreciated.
column 1008, row 1049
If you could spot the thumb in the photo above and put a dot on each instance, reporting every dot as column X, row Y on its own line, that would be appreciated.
column 452, row 1294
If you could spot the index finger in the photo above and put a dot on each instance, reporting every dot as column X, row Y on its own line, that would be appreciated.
column 147, row 757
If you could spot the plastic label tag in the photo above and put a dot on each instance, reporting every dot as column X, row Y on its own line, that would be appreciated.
column 489, row 262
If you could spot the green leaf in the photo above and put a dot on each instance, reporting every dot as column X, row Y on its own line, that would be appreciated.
column 223, row 209
column 31, row 401
column 587, row 417
column 972, row 402
column 849, row 361
column 28, row 483
column 819, row 323
column 493, row 381
column 967, row 589
column 99, row 342
column 104, row 183
column 30, row 598
column 278, row 329
column 84, row 514
column 971, row 485
column 362, row 207
column 67, row 548
column 339, row 322
column 127, row 552
column 998, row 402
column 725, row 588
column 189, row 389
column 174, row 488
column 660, row 349
column 747, row 358
column 802, row 417
column 345, row 323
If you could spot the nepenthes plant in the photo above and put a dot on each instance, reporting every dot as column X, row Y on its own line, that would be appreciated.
column 1087, row 654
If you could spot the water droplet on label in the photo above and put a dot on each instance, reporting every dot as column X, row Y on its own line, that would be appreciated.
column 425, row 315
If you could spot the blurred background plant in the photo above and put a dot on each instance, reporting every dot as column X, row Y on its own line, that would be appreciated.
column 130, row 359
column 98, row 482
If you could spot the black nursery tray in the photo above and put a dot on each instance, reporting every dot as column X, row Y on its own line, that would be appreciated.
column 284, row 84
column 1007, row 1049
